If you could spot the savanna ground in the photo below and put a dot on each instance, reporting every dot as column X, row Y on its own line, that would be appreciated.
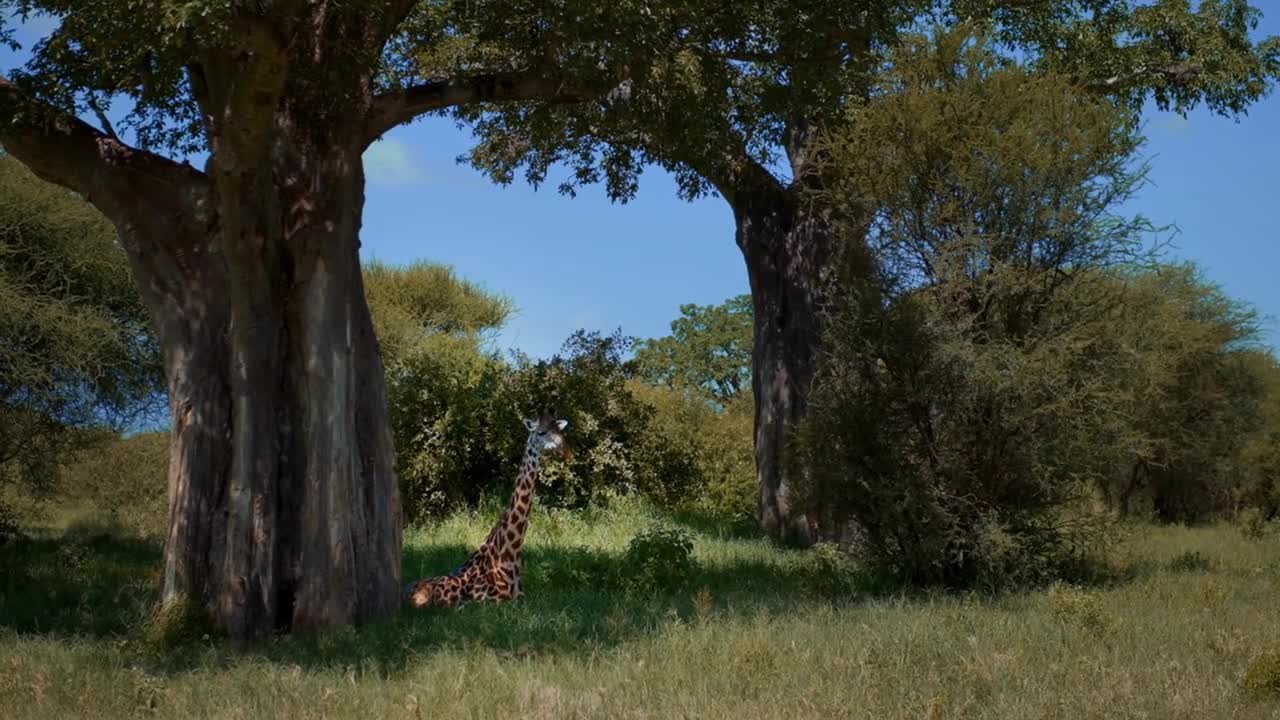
column 758, row 632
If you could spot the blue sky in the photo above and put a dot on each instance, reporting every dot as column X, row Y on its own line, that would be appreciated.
column 587, row 263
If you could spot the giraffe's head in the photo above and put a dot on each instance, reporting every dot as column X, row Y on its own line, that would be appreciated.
column 547, row 433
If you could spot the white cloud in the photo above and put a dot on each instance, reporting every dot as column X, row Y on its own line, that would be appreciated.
column 391, row 162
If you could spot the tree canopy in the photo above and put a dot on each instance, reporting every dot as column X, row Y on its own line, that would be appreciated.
column 413, row 304
column 249, row 267
column 76, row 349
column 739, row 96
column 708, row 351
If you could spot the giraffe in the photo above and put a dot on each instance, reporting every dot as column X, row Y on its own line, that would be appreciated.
column 493, row 571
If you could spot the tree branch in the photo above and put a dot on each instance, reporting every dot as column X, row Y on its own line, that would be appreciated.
column 1179, row 73
column 102, row 118
column 393, row 108
column 728, row 167
column 394, row 13
column 62, row 149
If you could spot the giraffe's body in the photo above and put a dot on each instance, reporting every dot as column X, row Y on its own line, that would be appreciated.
column 493, row 571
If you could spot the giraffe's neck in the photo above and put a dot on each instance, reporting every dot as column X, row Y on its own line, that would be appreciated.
column 508, row 535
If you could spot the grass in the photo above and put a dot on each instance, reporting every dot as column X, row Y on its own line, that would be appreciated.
column 757, row 633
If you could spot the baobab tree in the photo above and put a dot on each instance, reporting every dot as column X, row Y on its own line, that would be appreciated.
column 283, row 503
column 735, row 108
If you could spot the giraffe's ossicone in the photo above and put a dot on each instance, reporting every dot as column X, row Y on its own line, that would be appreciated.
column 493, row 571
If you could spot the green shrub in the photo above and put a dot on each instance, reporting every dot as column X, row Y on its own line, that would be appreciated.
column 176, row 623
column 1190, row 561
column 617, row 450
column 1253, row 523
column 969, row 396
column 456, row 408
column 577, row 568
column 457, row 418
column 1263, row 674
column 711, row 448
column 450, row 446
column 658, row 560
column 832, row 571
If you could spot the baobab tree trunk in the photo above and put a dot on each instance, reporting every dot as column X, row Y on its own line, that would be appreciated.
column 789, row 254
column 284, row 510
column 283, row 504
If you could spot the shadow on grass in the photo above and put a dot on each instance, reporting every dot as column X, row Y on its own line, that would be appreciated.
column 94, row 584
column 100, row 587
column 574, row 604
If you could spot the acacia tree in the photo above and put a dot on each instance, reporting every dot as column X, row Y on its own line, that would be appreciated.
column 76, row 355
column 736, row 105
column 283, row 511
column 708, row 351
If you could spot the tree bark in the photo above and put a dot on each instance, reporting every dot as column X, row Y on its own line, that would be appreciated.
column 284, row 510
column 789, row 251
column 283, row 502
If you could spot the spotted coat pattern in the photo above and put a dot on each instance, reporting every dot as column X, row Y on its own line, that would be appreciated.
column 493, row 571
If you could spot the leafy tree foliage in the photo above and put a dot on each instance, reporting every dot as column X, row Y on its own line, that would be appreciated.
column 249, row 267
column 708, row 351
column 736, row 104
column 1259, row 460
column 457, row 411
column 456, row 408
column 414, row 304
column 1198, row 382
column 964, row 407
column 76, row 351
column 712, row 449
column 698, row 380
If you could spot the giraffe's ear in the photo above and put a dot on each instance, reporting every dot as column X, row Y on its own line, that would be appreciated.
column 530, row 425
column 562, row 424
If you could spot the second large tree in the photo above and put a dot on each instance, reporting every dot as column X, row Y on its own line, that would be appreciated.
column 737, row 104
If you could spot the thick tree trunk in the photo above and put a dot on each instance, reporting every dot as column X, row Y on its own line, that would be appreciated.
column 284, row 510
column 789, row 253
column 283, row 502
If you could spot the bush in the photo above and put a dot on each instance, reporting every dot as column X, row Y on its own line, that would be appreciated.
column 929, row 453
column 576, row 568
column 176, row 623
column 456, row 409
column 457, row 418
column 658, row 560
column 1263, row 674
column 969, row 398
column 124, row 479
column 617, row 450
column 451, row 443
column 1190, row 561
column 709, row 449
column 1253, row 523
column 832, row 571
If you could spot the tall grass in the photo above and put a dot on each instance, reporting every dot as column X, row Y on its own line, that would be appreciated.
column 758, row 632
